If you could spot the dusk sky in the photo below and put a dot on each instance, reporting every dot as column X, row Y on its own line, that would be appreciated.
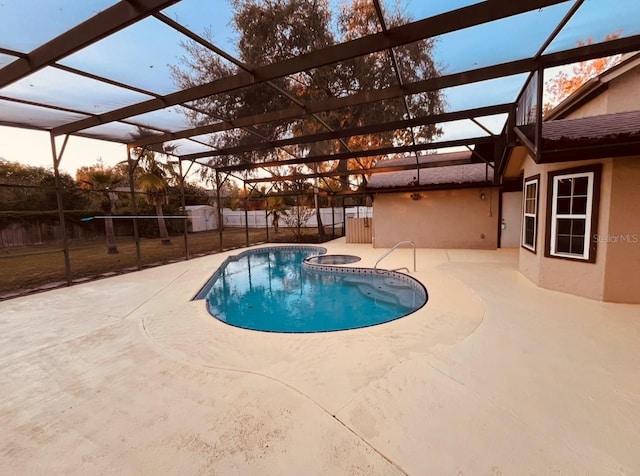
column 141, row 55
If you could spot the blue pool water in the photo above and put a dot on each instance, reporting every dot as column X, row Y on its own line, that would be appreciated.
column 270, row 289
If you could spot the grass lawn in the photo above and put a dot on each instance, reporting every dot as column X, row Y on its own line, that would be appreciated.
column 27, row 268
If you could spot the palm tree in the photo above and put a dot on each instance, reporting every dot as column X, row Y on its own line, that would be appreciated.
column 153, row 179
column 101, row 182
column 277, row 208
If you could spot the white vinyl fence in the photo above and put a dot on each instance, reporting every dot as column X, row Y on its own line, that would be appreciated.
column 359, row 212
column 258, row 218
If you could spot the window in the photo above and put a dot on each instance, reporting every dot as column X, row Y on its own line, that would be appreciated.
column 530, row 212
column 573, row 201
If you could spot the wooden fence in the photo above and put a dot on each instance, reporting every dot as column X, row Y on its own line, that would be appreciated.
column 359, row 230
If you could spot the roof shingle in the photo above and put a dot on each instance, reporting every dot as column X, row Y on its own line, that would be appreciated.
column 464, row 173
column 595, row 127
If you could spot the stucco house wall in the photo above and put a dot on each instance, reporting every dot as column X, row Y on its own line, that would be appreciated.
column 457, row 218
column 623, row 93
column 622, row 274
column 570, row 276
column 615, row 275
column 595, row 107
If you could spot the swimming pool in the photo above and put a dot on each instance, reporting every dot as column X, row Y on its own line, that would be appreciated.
column 274, row 289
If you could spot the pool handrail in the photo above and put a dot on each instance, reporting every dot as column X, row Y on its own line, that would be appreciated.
column 399, row 243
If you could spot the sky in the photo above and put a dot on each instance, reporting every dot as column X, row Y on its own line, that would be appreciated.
column 34, row 148
column 141, row 55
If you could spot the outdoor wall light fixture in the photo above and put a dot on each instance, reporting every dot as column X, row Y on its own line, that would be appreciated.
column 482, row 196
column 416, row 196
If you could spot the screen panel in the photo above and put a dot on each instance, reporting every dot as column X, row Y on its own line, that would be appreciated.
column 55, row 87
column 140, row 55
column 597, row 21
column 27, row 24
column 29, row 116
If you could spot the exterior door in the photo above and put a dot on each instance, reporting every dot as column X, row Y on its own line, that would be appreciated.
column 511, row 220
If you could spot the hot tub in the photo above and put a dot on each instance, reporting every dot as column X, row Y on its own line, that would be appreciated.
column 332, row 259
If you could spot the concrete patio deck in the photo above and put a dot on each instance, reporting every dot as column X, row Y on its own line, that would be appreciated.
column 126, row 375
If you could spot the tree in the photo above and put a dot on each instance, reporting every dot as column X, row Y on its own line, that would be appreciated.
column 297, row 217
column 29, row 188
column 72, row 196
column 101, row 182
column 563, row 84
column 195, row 195
column 231, row 195
column 277, row 209
column 356, row 19
column 153, row 177
column 274, row 30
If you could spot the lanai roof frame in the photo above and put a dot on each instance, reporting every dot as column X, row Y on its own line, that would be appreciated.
column 131, row 11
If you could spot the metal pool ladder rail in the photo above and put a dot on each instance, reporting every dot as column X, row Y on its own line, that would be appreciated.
column 399, row 243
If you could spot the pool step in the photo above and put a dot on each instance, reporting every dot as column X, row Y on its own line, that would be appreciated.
column 395, row 292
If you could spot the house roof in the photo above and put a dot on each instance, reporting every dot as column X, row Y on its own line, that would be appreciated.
column 430, row 171
column 605, row 135
column 605, row 127
column 425, row 160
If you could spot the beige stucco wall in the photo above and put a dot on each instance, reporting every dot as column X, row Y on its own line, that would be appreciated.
column 622, row 275
column 615, row 276
column 570, row 276
column 441, row 219
column 595, row 107
column 622, row 94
